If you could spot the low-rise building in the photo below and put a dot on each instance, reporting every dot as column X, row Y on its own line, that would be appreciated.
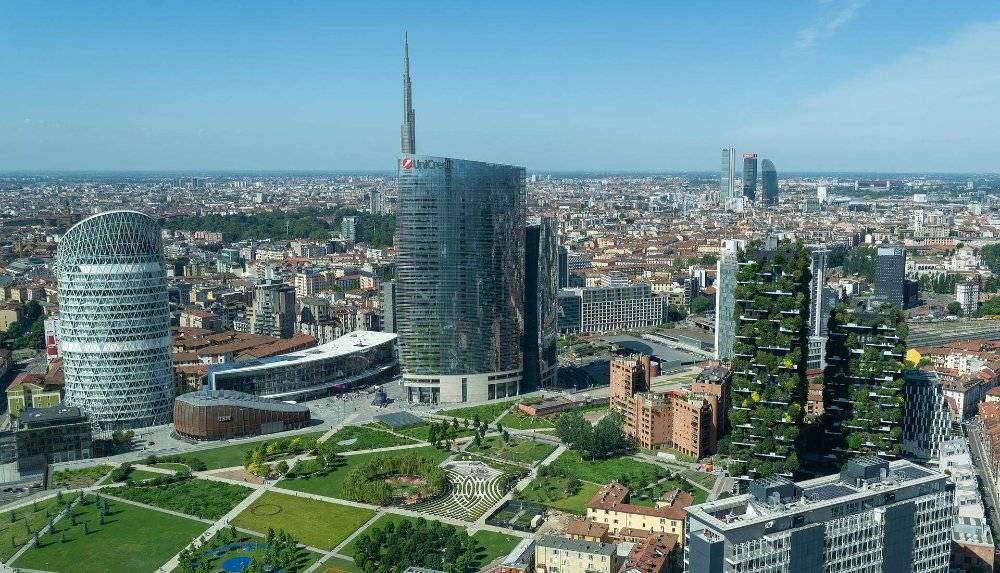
column 30, row 390
column 226, row 414
column 972, row 546
column 564, row 555
column 657, row 553
column 50, row 435
column 611, row 506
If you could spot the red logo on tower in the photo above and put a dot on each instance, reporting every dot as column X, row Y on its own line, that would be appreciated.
column 407, row 163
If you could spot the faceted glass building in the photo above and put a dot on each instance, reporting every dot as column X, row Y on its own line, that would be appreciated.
column 460, row 269
column 769, row 183
column 750, row 176
column 541, row 260
column 115, row 320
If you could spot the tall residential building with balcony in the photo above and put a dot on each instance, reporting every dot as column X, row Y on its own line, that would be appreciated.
column 115, row 321
column 273, row 311
column 926, row 416
column 967, row 295
column 604, row 309
column 819, row 312
column 875, row 516
column 769, row 366
column 863, row 383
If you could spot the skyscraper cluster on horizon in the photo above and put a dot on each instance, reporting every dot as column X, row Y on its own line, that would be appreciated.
column 475, row 293
column 767, row 194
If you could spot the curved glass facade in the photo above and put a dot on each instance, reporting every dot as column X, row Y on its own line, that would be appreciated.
column 769, row 182
column 460, row 265
column 114, row 320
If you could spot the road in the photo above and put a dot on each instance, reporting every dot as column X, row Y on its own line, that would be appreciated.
column 991, row 497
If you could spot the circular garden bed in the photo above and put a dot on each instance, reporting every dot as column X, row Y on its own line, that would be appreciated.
column 384, row 480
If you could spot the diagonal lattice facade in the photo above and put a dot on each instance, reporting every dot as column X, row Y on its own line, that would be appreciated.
column 114, row 320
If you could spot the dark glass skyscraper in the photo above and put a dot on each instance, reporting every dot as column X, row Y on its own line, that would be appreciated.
column 541, row 266
column 769, row 183
column 890, row 275
column 750, row 175
column 460, row 264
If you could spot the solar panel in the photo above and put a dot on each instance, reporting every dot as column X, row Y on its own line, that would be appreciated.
column 827, row 492
column 912, row 472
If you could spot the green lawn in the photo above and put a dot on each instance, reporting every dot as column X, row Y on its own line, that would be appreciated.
column 338, row 565
column 626, row 470
column 382, row 521
column 332, row 484
column 649, row 496
column 229, row 456
column 486, row 412
column 493, row 545
column 518, row 420
column 366, row 438
column 316, row 523
column 131, row 539
column 519, row 449
column 200, row 498
column 422, row 431
column 24, row 518
column 140, row 475
column 704, row 479
column 170, row 466
column 549, row 491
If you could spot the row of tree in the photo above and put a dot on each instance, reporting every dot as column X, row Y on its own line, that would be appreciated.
column 605, row 440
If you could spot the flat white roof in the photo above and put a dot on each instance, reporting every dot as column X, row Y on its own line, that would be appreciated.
column 347, row 344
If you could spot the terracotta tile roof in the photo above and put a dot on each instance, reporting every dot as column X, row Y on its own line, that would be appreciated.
column 615, row 497
column 586, row 528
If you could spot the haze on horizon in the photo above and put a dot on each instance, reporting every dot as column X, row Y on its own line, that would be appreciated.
column 821, row 86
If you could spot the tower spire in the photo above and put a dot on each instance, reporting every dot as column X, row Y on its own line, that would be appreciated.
column 407, row 129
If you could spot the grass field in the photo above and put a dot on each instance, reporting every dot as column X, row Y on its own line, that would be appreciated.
column 313, row 522
column 493, row 545
column 303, row 558
column 229, row 456
column 517, row 420
column 198, row 497
column 140, row 475
column 486, row 412
column 649, row 496
column 23, row 519
column 519, row 450
column 379, row 523
column 170, row 466
column 366, row 438
column 625, row 470
column 332, row 484
column 338, row 565
column 422, row 431
column 547, row 491
column 131, row 539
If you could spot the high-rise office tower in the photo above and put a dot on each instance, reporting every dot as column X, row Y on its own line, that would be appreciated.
column 407, row 131
column 769, row 183
column 728, row 175
column 563, row 267
column 387, row 307
column 114, row 320
column 750, row 176
column 926, row 417
column 273, row 311
column 541, row 262
column 890, row 275
column 460, row 267
column 863, row 382
column 725, row 301
column 769, row 364
column 875, row 516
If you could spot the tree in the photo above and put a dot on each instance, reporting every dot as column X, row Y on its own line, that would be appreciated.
column 575, row 431
column 700, row 304
column 282, row 467
column 955, row 308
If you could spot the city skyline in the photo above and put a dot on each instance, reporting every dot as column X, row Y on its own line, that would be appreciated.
column 138, row 92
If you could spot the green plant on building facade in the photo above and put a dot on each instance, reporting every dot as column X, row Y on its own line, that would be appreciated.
column 864, row 381
column 769, row 384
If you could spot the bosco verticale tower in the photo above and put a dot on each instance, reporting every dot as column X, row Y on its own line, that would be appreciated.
column 115, row 320
column 769, row 359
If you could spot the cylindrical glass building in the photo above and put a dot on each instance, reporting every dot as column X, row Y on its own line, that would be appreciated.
column 460, row 265
column 114, row 320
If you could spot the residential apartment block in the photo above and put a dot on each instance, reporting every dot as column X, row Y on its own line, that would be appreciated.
column 606, row 309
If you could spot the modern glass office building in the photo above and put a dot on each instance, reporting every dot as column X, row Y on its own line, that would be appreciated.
column 769, row 183
column 460, row 270
column 114, row 321
column 541, row 260
column 750, row 176
column 728, row 174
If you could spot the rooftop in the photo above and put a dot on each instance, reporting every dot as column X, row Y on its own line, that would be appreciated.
column 238, row 399
column 349, row 343
column 567, row 544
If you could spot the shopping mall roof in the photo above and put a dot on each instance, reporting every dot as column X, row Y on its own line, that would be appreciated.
column 350, row 343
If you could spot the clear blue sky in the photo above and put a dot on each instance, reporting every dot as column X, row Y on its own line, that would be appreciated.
column 828, row 85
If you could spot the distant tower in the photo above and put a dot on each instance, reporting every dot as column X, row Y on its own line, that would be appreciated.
column 728, row 174
column 407, row 130
column 769, row 183
column 750, row 175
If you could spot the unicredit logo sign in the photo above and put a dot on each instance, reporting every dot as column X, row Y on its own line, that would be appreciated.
column 408, row 163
